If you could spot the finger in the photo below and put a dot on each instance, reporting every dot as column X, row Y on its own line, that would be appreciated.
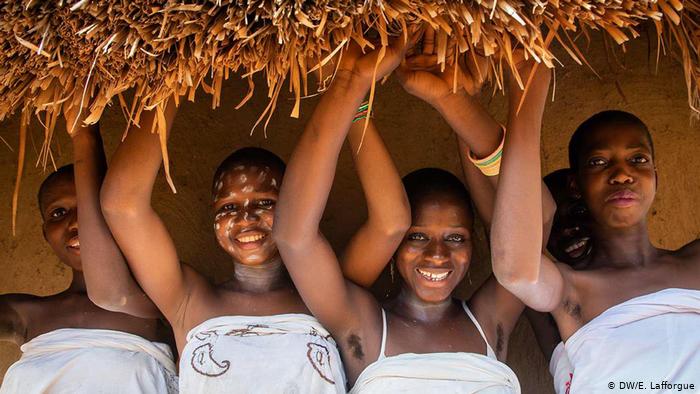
column 422, row 62
column 429, row 41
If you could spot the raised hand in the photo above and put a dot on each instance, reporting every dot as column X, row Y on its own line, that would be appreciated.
column 362, row 65
column 422, row 76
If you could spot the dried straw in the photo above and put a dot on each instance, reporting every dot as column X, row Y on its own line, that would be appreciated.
column 57, row 53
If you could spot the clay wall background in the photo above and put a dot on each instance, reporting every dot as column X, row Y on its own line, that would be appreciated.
column 415, row 135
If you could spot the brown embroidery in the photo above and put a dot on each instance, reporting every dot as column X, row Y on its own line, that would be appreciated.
column 320, row 359
column 251, row 331
column 203, row 362
column 205, row 335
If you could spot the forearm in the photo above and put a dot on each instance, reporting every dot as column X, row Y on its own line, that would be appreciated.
column 311, row 169
column 387, row 204
column 481, row 188
column 388, row 212
column 516, row 232
column 107, row 276
column 135, row 165
column 472, row 123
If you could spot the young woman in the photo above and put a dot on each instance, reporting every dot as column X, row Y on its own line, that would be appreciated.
column 253, row 332
column 69, row 344
column 633, row 305
column 424, row 340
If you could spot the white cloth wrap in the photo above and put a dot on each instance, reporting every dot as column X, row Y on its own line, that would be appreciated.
column 561, row 370
column 440, row 373
column 651, row 338
column 91, row 361
column 289, row 353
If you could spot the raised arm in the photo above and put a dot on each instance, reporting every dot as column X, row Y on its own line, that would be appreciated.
column 388, row 212
column 516, row 232
column 309, row 258
column 476, row 130
column 139, row 231
column 109, row 282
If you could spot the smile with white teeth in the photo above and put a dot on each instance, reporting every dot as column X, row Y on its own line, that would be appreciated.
column 74, row 243
column 577, row 245
column 249, row 238
column 433, row 277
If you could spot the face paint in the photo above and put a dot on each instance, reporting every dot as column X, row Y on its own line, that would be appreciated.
column 246, row 213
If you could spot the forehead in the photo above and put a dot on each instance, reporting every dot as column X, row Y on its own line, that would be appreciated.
column 59, row 188
column 614, row 137
column 248, row 178
column 441, row 210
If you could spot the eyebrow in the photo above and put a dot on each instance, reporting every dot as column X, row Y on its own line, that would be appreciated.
column 454, row 226
column 605, row 148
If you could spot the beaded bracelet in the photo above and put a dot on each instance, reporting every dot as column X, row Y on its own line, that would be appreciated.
column 491, row 164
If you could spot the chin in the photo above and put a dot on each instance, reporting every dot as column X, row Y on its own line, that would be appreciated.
column 434, row 296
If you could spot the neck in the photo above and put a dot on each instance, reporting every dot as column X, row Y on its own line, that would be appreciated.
column 409, row 305
column 628, row 247
column 268, row 276
column 77, row 284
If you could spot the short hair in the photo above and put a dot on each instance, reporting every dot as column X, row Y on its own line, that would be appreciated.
column 250, row 156
column 602, row 119
column 49, row 180
column 425, row 181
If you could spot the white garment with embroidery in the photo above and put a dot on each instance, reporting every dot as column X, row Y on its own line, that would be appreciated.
column 289, row 353
column 439, row 373
column 650, row 339
column 91, row 361
column 561, row 370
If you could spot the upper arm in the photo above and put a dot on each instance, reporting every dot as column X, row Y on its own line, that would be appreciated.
column 317, row 276
column 497, row 308
column 153, row 259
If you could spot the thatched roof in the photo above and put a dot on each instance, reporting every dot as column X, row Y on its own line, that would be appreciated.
column 55, row 52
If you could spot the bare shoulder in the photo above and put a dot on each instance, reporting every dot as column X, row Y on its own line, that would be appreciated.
column 15, row 311
column 690, row 252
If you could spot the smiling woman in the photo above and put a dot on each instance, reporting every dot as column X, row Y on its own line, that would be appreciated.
column 216, row 325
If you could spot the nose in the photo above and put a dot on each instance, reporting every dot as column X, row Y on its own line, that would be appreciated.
column 248, row 215
column 437, row 252
column 73, row 221
column 620, row 175
column 571, row 231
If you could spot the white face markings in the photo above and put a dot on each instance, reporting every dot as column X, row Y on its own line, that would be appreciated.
column 242, row 178
column 247, row 189
column 273, row 183
column 217, row 226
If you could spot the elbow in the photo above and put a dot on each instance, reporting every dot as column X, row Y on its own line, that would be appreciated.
column 109, row 302
column 396, row 228
column 288, row 238
column 115, row 201
column 512, row 271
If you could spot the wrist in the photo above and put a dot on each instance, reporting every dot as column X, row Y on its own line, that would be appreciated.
column 450, row 101
column 351, row 83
